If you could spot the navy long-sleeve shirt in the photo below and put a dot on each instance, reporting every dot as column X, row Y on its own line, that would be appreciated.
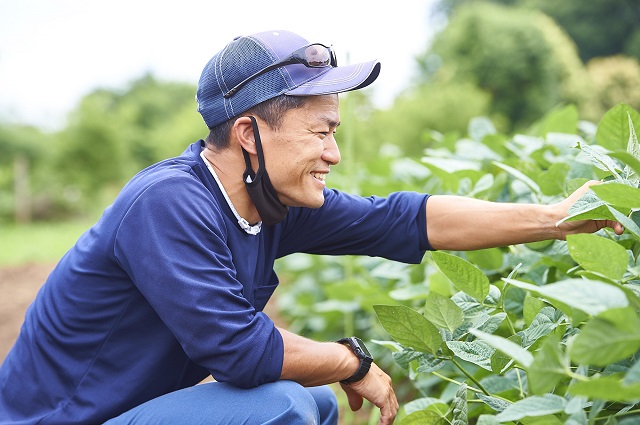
column 166, row 288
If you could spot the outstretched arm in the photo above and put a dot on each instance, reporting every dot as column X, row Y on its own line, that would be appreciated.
column 460, row 224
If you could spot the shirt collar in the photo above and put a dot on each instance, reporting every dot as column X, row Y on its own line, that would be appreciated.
column 244, row 224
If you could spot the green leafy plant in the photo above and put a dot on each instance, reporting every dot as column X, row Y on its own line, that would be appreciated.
column 540, row 333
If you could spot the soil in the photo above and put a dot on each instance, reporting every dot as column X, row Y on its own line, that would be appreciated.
column 18, row 286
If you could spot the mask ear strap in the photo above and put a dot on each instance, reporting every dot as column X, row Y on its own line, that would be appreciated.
column 249, row 169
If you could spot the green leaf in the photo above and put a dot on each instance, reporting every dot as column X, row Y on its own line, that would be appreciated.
column 627, row 222
column 491, row 324
column 598, row 254
column 588, row 207
column 607, row 388
column 409, row 327
column 476, row 352
column 520, row 176
column 489, row 259
column 542, row 420
column 409, row 292
column 589, row 296
column 552, row 181
column 496, row 384
column 613, row 336
column 633, row 374
column 542, row 325
column 576, row 405
column 443, row 312
column 632, row 163
column 451, row 165
column 613, row 130
column 599, row 158
column 431, row 403
column 618, row 194
column 392, row 346
column 633, row 147
column 547, row 404
column 479, row 127
column 428, row 363
column 511, row 349
column 562, row 120
column 423, row 417
column 499, row 360
column 487, row 420
column 549, row 367
column 631, row 158
column 464, row 275
column 532, row 306
column 497, row 404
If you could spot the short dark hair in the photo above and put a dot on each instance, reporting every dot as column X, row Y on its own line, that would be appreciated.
column 271, row 111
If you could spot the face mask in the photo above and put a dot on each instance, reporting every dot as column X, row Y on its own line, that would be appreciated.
column 259, row 186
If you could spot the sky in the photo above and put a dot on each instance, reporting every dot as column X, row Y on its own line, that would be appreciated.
column 53, row 52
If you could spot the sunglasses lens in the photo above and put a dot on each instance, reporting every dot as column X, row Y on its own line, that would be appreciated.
column 317, row 55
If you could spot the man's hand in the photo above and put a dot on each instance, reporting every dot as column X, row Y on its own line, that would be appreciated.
column 583, row 226
column 375, row 387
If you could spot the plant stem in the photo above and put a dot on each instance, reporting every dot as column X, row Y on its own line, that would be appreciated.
column 453, row 381
column 630, row 412
column 575, row 376
column 468, row 375
column 511, row 327
column 520, row 383
column 475, row 390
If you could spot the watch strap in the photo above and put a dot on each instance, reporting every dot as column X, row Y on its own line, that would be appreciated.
column 365, row 360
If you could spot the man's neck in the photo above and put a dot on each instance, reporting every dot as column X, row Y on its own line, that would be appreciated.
column 229, row 167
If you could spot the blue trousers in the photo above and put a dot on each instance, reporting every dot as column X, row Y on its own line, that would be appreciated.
column 281, row 402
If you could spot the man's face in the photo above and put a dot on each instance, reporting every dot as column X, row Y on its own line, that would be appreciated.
column 299, row 153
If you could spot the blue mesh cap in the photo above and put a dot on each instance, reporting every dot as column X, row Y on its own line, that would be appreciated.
column 247, row 55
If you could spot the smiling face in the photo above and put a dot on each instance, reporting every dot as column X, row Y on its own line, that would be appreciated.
column 298, row 154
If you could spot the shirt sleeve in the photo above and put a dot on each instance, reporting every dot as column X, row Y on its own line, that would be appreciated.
column 392, row 227
column 172, row 244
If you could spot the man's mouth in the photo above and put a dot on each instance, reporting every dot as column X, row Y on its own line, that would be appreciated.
column 319, row 176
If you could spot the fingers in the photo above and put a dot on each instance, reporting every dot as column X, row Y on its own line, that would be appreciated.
column 389, row 411
column 617, row 227
column 375, row 387
column 355, row 400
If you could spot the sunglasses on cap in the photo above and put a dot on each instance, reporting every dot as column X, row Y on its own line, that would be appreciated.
column 312, row 56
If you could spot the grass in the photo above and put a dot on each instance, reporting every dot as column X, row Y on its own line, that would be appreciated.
column 38, row 242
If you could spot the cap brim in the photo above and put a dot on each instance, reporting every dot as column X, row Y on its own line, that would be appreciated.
column 339, row 79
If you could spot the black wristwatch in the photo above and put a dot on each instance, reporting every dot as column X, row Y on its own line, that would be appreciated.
column 361, row 352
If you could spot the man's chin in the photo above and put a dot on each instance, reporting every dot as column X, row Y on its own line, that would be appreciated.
column 314, row 204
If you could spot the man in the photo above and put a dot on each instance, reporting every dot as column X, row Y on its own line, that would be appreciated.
column 169, row 286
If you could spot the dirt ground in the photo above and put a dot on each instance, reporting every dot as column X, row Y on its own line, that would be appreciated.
column 18, row 286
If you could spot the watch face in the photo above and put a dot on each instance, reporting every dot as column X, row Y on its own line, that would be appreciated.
column 362, row 347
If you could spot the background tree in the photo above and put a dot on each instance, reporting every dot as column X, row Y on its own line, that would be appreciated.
column 616, row 79
column 112, row 135
column 22, row 149
column 520, row 57
column 598, row 27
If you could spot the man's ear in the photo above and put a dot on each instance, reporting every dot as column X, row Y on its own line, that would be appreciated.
column 243, row 132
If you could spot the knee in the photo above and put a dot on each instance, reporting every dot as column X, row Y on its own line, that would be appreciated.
column 327, row 404
column 297, row 405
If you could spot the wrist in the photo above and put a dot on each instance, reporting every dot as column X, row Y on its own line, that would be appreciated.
column 349, row 364
column 361, row 353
